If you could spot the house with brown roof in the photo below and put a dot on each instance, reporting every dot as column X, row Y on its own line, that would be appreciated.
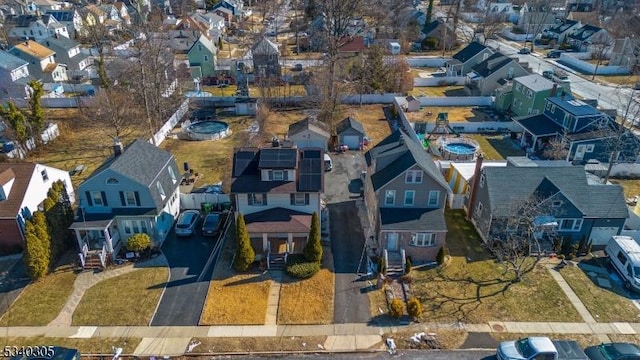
column 42, row 64
column 23, row 188
column 277, row 190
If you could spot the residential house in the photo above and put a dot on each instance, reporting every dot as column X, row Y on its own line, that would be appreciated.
column 225, row 13
column 501, row 10
column 583, row 38
column 215, row 24
column 533, row 20
column 570, row 206
column 622, row 53
column 462, row 61
column 559, row 32
column 70, row 18
column 441, row 31
column 459, row 176
column 68, row 52
column 235, row 6
column 93, row 15
column 277, row 190
column 42, row 64
column 586, row 130
column 309, row 133
column 351, row 45
column 580, row 5
column 111, row 16
column 23, row 188
column 266, row 61
column 123, row 12
column 45, row 5
column 202, row 58
column 134, row 191
column 530, row 93
column 405, row 195
column 494, row 71
column 351, row 133
column 419, row 17
column 14, row 76
column 181, row 41
column 34, row 27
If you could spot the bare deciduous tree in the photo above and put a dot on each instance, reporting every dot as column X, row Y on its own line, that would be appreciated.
column 113, row 110
column 601, row 42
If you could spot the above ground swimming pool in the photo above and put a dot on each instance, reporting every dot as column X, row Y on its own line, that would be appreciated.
column 462, row 149
column 208, row 130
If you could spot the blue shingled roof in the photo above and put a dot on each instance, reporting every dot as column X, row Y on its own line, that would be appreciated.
column 10, row 62
column 468, row 52
column 538, row 125
column 573, row 106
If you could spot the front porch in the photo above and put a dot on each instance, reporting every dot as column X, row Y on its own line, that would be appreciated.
column 98, row 242
column 538, row 131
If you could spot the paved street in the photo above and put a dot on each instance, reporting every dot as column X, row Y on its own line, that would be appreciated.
column 351, row 304
column 184, row 296
column 408, row 354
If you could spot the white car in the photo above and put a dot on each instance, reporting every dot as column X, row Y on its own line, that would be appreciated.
column 187, row 221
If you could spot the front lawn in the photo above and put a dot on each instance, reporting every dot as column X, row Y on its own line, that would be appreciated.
column 128, row 299
column 496, row 147
column 235, row 298
column 96, row 345
column 308, row 301
column 41, row 301
column 603, row 304
column 474, row 288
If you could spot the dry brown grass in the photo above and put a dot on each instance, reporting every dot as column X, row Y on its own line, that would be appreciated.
column 437, row 91
column 626, row 80
column 625, row 338
column 454, row 114
column 308, row 301
column 258, row 344
column 583, row 339
column 41, row 301
column 631, row 186
column 496, row 147
column 373, row 120
column 233, row 298
column 377, row 303
column 448, row 338
column 97, row 345
column 143, row 288
column 81, row 142
column 603, row 304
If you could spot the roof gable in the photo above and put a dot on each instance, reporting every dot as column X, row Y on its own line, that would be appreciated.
column 264, row 46
column 21, row 174
column 350, row 123
column 309, row 124
column 469, row 51
column 11, row 62
column 492, row 64
column 33, row 49
column 205, row 43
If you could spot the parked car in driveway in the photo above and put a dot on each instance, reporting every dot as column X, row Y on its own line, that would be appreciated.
column 211, row 224
column 187, row 221
column 613, row 351
column 554, row 54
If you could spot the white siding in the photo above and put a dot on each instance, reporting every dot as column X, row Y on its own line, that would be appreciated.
column 38, row 188
column 278, row 200
column 308, row 138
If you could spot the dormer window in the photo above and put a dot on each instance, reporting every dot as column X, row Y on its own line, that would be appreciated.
column 172, row 174
column 413, row 177
column 161, row 190
column 45, row 176
column 278, row 175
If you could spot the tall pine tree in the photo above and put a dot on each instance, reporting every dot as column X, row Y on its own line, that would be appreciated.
column 37, row 250
column 36, row 111
column 313, row 249
column 245, row 255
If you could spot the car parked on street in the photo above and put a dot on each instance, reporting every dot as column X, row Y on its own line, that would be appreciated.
column 211, row 224
column 524, row 50
column 554, row 54
column 613, row 351
column 186, row 223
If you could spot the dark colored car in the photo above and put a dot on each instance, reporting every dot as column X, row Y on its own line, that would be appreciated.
column 211, row 224
column 554, row 54
column 613, row 351
column 524, row 51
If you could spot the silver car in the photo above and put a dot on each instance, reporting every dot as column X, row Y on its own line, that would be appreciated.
column 187, row 221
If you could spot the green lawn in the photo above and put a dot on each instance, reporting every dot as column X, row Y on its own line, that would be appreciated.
column 128, row 299
column 41, row 301
column 474, row 288
column 496, row 147
column 603, row 304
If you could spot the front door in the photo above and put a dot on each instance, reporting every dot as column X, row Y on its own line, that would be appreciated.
column 392, row 242
column 580, row 151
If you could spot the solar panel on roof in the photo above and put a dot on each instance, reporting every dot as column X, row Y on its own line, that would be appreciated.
column 311, row 154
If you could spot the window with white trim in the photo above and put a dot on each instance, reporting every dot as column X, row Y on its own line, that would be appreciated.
column 161, row 190
column 590, row 148
column 299, row 199
column 257, row 199
column 570, row 224
column 172, row 174
column 479, row 209
column 423, row 239
column 413, row 177
column 130, row 198
column 481, row 180
column 518, row 86
column 556, row 203
column 434, row 198
column 409, row 197
column 390, row 197
column 135, row 227
column 96, row 198
column 278, row 175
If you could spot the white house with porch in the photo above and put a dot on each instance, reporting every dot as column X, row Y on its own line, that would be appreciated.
column 135, row 191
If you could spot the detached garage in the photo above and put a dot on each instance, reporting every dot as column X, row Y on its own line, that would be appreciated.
column 351, row 133
column 308, row 133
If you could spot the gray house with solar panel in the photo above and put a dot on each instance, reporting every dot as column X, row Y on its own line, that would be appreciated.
column 277, row 190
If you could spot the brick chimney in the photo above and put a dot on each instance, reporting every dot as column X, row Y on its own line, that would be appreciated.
column 554, row 89
column 474, row 185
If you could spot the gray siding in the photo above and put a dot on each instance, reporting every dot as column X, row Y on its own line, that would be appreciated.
column 422, row 190
column 112, row 191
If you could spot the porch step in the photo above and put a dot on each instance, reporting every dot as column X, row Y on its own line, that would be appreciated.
column 395, row 271
column 92, row 262
column 277, row 262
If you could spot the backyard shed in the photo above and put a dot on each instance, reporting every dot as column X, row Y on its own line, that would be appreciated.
column 351, row 133
column 308, row 133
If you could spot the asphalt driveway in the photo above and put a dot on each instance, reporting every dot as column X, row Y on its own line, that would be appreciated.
column 184, row 295
column 351, row 304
